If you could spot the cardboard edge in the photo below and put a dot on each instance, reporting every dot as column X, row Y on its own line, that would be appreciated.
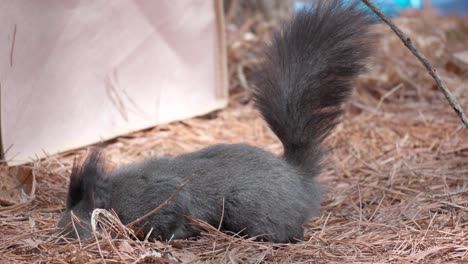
column 2, row 149
column 221, row 63
column 217, row 105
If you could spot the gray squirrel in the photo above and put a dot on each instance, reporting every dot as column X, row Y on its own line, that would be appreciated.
column 300, row 88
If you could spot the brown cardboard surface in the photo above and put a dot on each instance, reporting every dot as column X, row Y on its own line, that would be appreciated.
column 75, row 72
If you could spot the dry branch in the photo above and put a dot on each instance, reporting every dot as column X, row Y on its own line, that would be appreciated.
column 454, row 205
column 157, row 209
column 444, row 195
column 407, row 41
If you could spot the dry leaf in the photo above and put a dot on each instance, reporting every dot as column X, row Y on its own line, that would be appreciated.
column 17, row 185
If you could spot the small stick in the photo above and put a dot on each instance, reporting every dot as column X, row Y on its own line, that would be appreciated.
column 242, row 78
column 454, row 205
column 157, row 209
column 99, row 247
column 387, row 94
column 222, row 217
column 12, row 46
column 449, row 194
column 407, row 41
column 232, row 10
column 74, row 218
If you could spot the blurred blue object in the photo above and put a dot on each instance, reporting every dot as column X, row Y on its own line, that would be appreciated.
column 457, row 7
column 388, row 7
column 394, row 7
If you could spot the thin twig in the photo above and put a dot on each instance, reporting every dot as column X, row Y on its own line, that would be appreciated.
column 407, row 41
column 387, row 94
column 99, row 247
column 454, row 205
column 12, row 46
column 324, row 225
column 449, row 194
column 232, row 11
column 74, row 218
column 222, row 217
column 242, row 78
column 157, row 209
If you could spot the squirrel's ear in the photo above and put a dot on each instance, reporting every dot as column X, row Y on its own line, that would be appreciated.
column 88, row 183
column 75, row 192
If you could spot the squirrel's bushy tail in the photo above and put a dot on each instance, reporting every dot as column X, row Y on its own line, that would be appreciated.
column 308, row 74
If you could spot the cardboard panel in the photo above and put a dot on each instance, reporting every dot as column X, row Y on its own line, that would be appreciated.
column 77, row 72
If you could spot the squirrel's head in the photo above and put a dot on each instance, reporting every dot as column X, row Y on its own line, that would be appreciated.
column 88, row 189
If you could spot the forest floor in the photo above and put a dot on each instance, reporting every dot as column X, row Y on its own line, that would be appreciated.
column 395, row 180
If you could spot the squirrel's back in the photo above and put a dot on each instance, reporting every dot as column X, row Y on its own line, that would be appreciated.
column 307, row 76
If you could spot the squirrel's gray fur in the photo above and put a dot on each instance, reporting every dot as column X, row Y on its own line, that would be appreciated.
column 299, row 90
